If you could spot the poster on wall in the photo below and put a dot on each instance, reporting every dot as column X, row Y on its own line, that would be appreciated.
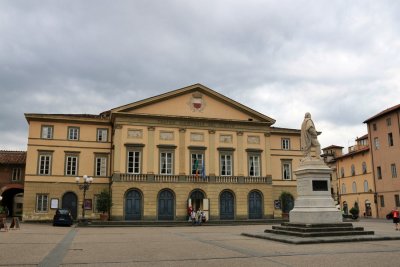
column 88, row 204
column 54, row 203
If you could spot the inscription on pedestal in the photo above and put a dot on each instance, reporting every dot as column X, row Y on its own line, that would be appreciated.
column 319, row 185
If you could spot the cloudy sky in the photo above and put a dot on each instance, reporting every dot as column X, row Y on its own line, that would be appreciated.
column 339, row 60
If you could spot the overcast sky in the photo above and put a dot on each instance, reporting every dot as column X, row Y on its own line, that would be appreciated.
column 339, row 60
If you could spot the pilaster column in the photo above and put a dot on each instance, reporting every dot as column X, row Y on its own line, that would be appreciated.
column 211, row 151
column 268, row 170
column 118, row 148
column 182, row 150
column 240, row 153
column 151, row 153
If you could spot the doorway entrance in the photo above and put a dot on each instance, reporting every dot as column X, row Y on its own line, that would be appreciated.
column 166, row 207
column 70, row 201
column 226, row 206
column 133, row 205
column 255, row 205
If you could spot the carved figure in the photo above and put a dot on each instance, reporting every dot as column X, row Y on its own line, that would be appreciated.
column 309, row 137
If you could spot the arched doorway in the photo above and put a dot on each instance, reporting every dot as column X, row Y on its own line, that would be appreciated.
column 255, row 205
column 8, row 193
column 133, row 205
column 226, row 206
column 70, row 201
column 196, row 198
column 166, row 205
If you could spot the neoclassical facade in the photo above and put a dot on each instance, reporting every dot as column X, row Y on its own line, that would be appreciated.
column 158, row 156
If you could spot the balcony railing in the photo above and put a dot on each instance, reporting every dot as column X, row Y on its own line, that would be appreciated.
column 158, row 178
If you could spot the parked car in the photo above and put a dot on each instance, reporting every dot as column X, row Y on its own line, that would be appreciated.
column 63, row 217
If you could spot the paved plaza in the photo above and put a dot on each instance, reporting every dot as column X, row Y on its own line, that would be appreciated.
column 45, row 245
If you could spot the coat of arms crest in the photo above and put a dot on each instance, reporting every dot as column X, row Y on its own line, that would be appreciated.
column 197, row 102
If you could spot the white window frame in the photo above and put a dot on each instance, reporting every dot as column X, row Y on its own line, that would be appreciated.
column 42, row 203
column 226, row 164
column 16, row 174
column 47, row 132
column 71, row 165
column 44, row 165
column 102, row 135
column 101, row 165
column 73, row 133
column 393, row 170
column 285, row 143
column 254, row 165
column 134, row 159
column 199, row 156
column 286, row 170
column 354, row 187
column 167, row 162
column 343, row 189
column 376, row 143
column 366, row 188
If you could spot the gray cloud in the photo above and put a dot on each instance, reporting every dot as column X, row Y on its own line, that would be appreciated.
column 336, row 59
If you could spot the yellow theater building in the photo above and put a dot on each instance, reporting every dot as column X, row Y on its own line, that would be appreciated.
column 158, row 156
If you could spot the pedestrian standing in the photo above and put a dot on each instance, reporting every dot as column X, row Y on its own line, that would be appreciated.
column 395, row 214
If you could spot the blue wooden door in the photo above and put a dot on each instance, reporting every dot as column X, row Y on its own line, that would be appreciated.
column 166, row 205
column 255, row 205
column 227, row 211
column 133, row 205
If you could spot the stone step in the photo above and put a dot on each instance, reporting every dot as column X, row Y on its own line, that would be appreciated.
column 317, row 229
column 320, row 234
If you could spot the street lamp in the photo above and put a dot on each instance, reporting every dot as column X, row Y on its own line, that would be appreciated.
column 85, row 186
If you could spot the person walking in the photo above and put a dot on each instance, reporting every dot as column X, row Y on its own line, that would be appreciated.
column 395, row 214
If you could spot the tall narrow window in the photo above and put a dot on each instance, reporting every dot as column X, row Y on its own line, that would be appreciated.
column 342, row 172
column 379, row 172
column 388, row 121
column 397, row 200
column 286, row 170
column 225, row 163
column 134, row 159
column 376, row 143
column 197, row 163
column 101, row 166
column 102, row 135
column 366, row 186
column 254, row 166
column 166, row 163
column 382, row 201
column 353, row 170
column 73, row 133
column 42, row 202
column 390, row 139
column 393, row 169
column 285, row 143
column 44, row 164
column 374, row 126
column 354, row 187
column 343, row 189
column 47, row 132
column 71, row 165
column 364, row 167
column 16, row 174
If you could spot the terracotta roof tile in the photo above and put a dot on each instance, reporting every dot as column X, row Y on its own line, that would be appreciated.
column 12, row 157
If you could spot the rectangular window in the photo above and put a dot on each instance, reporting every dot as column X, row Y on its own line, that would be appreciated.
column 285, row 143
column 47, row 132
column 379, row 172
column 394, row 171
column 101, row 166
column 134, row 159
column 376, row 142
column 73, row 133
column 44, row 164
column 374, row 127
column 71, row 165
column 390, row 139
column 225, row 164
column 286, row 170
column 166, row 163
column 397, row 200
column 382, row 201
column 16, row 174
column 196, row 163
column 42, row 202
column 254, row 166
column 389, row 121
column 102, row 135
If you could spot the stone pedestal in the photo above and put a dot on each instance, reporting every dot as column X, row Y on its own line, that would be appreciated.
column 314, row 203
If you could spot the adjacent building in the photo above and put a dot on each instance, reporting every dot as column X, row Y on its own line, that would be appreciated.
column 356, row 180
column 158, row 156
column 384, row 139
column 329, row 155
column 12, row 175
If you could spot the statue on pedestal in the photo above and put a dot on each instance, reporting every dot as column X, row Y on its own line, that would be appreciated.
column 309, row 137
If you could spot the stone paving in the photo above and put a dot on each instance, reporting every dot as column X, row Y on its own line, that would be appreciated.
column 45, row 245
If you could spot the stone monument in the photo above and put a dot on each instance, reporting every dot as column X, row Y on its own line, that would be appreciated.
column 314, row 203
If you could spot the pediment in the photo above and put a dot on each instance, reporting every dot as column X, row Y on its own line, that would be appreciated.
column 194, row 101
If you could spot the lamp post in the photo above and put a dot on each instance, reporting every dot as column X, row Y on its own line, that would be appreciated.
column 85, row 186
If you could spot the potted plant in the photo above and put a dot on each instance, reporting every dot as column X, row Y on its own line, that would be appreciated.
column 287, row 203
column 355, row 211
column 103, row 204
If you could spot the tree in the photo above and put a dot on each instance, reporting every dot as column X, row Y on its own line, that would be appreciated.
column 104, row 201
